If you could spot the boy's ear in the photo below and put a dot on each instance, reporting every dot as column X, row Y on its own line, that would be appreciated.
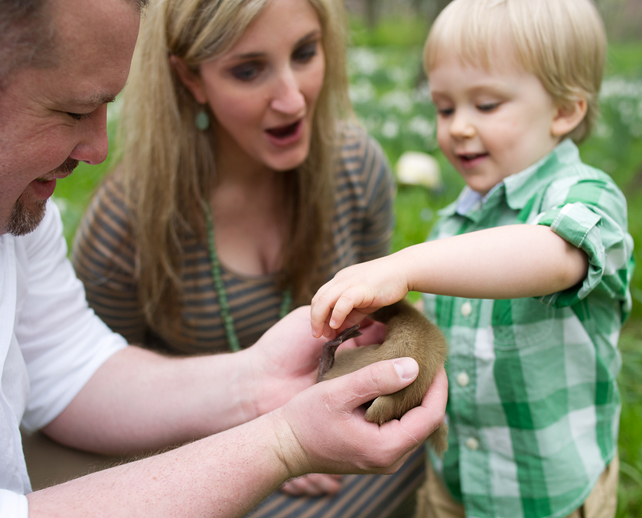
column 192, row 80
column 568, row 117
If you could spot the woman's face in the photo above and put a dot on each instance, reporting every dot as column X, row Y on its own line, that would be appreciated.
column 263, row 91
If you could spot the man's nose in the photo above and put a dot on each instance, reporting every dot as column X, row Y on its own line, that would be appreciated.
column 93, row 146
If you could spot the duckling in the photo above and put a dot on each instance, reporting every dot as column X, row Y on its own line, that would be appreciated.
column 408, row 334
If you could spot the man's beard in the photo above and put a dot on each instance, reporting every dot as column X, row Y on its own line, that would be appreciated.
column 27, row 216
column 25, row 219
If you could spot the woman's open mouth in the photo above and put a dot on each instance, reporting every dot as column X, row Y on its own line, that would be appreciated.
column 285, row 135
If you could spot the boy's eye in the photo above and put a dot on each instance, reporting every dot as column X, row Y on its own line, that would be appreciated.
column 305, row 52
column 247, row 71
column 445, row 112
column 487, row 107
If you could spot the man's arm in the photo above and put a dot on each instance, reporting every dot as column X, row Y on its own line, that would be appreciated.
column 498, row 263
column 141, row 401
column 321, row 429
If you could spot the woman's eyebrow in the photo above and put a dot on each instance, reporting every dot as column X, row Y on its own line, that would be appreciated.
column 253, row 55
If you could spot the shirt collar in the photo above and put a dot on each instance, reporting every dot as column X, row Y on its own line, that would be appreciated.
column 519, row 187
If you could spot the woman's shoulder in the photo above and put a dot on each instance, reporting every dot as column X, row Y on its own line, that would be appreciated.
column 354, row 139
column 111, row 189
column 107, row 211
column 360, row 154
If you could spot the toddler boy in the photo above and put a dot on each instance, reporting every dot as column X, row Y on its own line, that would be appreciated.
column 527, row 273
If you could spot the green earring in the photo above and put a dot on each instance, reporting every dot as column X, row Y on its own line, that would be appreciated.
column 202, row 120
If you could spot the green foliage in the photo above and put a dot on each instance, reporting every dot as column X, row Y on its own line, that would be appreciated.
column 625, row 60
column 394, row 32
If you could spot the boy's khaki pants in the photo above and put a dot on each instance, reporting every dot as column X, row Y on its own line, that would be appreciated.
column 434, row 500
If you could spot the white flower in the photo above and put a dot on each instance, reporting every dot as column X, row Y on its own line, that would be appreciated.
column 363, row 60
column 397, row 99
column 362, row 92
column 416, row 168
column 390, row 129
column 422, row 127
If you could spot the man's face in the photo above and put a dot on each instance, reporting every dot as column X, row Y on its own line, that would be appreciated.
column 52, row 118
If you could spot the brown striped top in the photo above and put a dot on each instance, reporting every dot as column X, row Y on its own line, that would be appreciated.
column 103, row 256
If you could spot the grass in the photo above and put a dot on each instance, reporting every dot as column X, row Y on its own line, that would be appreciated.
column 389, row 99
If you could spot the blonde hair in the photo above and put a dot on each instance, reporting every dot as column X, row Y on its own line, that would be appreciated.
column 169, row 165
column 561, row 42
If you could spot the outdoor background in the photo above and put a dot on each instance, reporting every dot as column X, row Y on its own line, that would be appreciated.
column 390, row 97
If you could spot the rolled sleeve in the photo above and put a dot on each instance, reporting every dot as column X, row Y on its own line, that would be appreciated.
column 593, row 219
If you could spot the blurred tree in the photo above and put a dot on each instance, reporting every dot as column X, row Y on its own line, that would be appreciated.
column 372, row 10
column 622, row 18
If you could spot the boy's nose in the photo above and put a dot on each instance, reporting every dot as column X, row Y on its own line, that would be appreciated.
column 462, row 126
column 288, row 98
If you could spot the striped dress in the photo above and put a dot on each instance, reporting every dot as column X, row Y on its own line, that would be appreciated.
column 103, row 256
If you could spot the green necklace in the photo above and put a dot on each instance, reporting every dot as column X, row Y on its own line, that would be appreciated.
column 228, row 321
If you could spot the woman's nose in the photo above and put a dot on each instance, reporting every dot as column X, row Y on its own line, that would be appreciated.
column 287, row 97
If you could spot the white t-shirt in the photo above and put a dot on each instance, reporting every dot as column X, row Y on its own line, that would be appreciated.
column 51, row 343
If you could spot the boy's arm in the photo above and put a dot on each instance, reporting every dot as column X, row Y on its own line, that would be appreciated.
column 499, row 263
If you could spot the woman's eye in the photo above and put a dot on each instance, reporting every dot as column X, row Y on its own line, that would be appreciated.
column 305, row 52
column 247, row 71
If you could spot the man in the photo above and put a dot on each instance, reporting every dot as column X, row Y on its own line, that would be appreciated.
column 61, row 369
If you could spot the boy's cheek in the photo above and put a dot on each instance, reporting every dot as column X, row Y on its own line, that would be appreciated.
column 443, row 141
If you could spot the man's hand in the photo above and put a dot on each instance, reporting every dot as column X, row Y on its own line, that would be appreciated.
column 285, row 360
column 323, row 429
column 315, row 484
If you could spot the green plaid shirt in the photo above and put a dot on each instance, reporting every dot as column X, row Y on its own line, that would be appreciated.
column 533, row 402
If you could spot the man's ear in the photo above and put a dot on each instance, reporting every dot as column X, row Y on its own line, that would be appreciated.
column 568, row 117
column 192, row 80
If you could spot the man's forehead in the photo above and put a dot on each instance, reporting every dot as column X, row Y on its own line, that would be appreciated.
column 88, row 100
column 94, row 46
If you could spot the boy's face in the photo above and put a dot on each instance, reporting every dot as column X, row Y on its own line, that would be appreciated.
column 491, row 124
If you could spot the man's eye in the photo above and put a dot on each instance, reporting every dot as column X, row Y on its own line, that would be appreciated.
column 247, row 71
column 305, row 53
column 79, row 116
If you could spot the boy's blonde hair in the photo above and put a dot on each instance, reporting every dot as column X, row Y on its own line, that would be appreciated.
column 562, row 42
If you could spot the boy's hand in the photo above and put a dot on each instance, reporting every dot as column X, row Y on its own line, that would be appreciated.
column 355, row 292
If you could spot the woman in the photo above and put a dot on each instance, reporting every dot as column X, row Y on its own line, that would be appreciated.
column 219, row 118
column 243, row 186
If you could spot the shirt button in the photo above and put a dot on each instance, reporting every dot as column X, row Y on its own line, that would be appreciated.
column 463, row 379
column 466, row 309
column 472, row 444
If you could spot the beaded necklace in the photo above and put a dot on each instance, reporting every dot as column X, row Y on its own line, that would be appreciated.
column 228, row 321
